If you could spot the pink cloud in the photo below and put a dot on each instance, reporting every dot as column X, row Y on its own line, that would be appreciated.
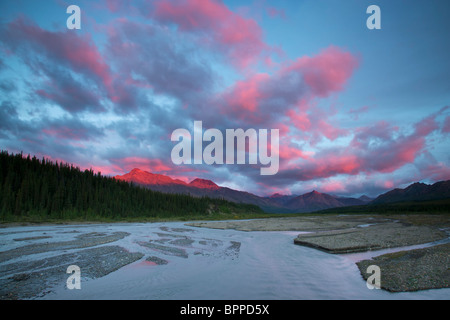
column 239, row 37
column 299, row 119
column 380, row 148
column 426, row 126
column 322, row 166
column 389, row 184
column 66, row 133
column 334, row 164
column 264, row 97
column 146, row 164
column 75, row 51
column 333, row 187
column 326, row 72
column 192, row 14
column 288, row 152
column 322, row 126
column 436, row 171
column 246, row 95
column 286, row 99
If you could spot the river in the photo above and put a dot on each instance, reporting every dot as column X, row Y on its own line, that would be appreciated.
column 189, row 263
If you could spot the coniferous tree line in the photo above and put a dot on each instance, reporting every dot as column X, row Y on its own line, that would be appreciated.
column 32, row 187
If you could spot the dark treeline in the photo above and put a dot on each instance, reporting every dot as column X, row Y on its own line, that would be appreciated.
column 30, row 187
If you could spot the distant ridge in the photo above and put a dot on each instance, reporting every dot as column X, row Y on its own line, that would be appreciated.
column 416, row 192
column 146, row 178
column 277, row 203
column 204, row 184
column 314, row 201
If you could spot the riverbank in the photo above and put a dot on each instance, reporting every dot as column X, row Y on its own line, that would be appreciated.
column 339, row 234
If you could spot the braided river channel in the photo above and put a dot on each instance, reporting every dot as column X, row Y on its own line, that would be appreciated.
column 173, row 261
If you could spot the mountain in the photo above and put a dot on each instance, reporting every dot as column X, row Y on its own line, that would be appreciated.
column 278, row 203
column 281, row 199
column 352, row 201
column 204, row 184
column 365, row 199
column 146, row 178
column 197, row 188
column 313, row 201
column 416, row 192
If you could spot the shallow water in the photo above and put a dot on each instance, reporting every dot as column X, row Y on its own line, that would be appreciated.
column 210, row 264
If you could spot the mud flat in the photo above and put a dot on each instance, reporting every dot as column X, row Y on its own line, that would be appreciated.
column 411, row 270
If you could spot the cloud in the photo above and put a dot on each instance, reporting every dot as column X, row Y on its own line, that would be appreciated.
column 326, row 72
column 163, row 64
column 305, row 78
column 225, row 31
column 73, row 129
column 9, row 123
column 68, row 93
column 446, row 127
column 377, row 149
column 71, row 64
column 290, row 96
column 129, row 163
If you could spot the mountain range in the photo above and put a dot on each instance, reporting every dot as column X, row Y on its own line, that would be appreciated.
column 416, row 192
column 277, row 203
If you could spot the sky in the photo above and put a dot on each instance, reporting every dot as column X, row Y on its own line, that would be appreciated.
column 359, row 110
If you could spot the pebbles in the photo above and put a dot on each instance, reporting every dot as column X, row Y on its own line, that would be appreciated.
column 166, row 250
column 81, row 241
column 412, row 270
column 32, row 238
column 374, row 237
column 157, row 261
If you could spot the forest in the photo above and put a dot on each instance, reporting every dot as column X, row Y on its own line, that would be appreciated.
column 39, row 189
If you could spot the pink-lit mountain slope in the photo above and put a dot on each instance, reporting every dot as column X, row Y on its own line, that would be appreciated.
column 200, row 187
